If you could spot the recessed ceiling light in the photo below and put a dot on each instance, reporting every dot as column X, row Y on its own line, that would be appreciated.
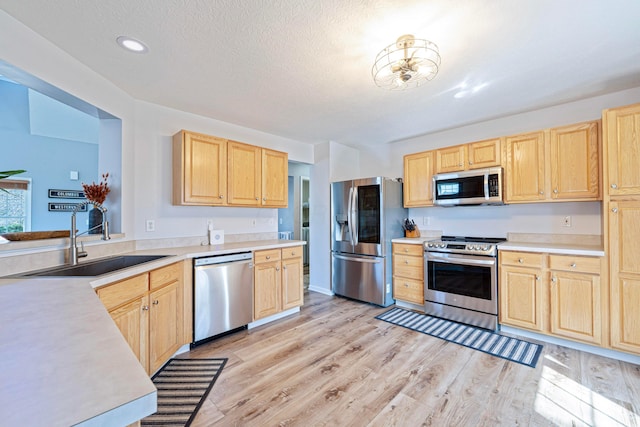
column 132, row 45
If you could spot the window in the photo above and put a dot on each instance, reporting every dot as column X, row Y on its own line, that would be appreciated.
column 15, row 205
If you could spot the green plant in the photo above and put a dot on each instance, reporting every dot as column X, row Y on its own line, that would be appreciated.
column 7, row 174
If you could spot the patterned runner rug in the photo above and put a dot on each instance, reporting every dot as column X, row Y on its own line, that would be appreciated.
column 182, row 385
column 513, row 349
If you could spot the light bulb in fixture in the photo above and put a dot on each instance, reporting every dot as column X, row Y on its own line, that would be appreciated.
column 132, row 45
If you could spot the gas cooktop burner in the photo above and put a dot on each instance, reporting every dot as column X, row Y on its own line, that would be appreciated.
column 484, row 246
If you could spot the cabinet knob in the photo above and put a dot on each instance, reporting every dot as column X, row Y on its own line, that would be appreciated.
column 520, row 260
column 264, row 198
column 541, row 192
column 406, row 249
column 277, row 268
column 406, row 285
column 614, row 186
column 537, row 278
column 257, row 198
column 573, row 265
column 460, row 164
column 156, row 302
column 284, row 267
column 268, row 256
column 221, row 196
column 406, row 261
column 293, row 253
column 555, row 191
column 145, row 307
column 553, row 279
column 470, row 162
column 614, row 210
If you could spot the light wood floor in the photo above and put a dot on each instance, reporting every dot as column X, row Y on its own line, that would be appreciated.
column 333, row 364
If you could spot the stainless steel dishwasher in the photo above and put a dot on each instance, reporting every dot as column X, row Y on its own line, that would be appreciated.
column 222, row 294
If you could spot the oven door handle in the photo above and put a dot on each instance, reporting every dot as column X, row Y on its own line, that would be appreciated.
column 460, row 259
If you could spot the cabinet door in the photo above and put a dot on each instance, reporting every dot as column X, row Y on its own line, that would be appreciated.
column 624, row 247
column 200, row 169
column 292, row 292
column 575, row 305
column 133, row 321
column 267, row 289
column 575, row 162
column 275, row 182
column 244, row 174
column 450, row 159
column 484, row 154
column 165, row 325
column 418, row 173
column 621, row 130
column 525, row 167
column 521, row 297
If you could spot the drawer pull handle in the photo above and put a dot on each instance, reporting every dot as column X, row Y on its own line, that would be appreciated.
column 573, row 265
column 520, row 260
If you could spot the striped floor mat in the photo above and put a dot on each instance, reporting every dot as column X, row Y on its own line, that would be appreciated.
column 182, row 385
column 513, row 349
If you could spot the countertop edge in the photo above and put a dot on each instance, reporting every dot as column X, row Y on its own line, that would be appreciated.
column 560, row 249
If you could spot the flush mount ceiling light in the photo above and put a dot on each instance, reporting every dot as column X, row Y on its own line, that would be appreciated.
column 132, row 45
column 409, row 62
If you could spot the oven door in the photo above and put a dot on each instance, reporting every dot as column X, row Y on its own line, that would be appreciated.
column 464, row 281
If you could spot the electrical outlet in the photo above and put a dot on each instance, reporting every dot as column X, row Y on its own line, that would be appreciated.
column 426, row 220
column 566, row 221
column 150, row 225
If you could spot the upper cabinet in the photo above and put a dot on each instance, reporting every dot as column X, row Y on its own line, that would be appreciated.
column 213, row 171
column 575, row 161
column 622, row 132
column 525, row 167
column 559, row 164
column 475, row 155
column 417, row 187
column 199, row 169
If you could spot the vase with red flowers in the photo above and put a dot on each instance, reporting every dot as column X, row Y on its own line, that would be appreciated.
column 96, row 194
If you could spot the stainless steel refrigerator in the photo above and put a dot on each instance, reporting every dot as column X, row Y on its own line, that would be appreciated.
column 365, row 215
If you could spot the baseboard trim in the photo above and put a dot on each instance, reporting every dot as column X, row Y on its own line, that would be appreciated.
column 270, row 319
column 321, row 290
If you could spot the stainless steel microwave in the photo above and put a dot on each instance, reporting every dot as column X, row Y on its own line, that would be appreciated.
column 475, row 187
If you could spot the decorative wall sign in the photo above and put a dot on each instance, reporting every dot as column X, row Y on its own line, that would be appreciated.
column 66, row 194
column 66, row 207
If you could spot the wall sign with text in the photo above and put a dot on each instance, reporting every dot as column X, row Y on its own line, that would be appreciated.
column 66, row 207
column 66, row 194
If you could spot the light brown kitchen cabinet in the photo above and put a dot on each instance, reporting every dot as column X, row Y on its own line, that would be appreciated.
column 522, row 290
column 525, row 167
column 212, row 171
column 624, row 247
column 450, row 159
column 575, row 162
column 621, row 130
column 199, row 169
column 474, row 155
column 148, row 310
column 575, row 299
column 245, row 174
column 275, row 180
column 408, row 273
column 277, row 281
column 484, row 154
column 417, row 183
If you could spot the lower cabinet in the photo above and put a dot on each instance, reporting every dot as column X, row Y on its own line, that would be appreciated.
column 277, row 281
column 558, row 295
column 148, row 310
column 408, row 273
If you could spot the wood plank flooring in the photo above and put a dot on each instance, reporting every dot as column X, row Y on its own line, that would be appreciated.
column 333, row 364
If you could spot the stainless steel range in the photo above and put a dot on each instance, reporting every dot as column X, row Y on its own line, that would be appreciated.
column 461, row 279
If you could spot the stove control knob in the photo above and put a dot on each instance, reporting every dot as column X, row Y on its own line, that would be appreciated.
column 429, row 245
column 485, row 248
column 442, row 245
column 474, row 247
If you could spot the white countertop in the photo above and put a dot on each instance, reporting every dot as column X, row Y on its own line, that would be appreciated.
column 64, row 361
column 553, row 248
column 413, row 240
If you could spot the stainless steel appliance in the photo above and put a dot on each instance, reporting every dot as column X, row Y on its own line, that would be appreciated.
column 365, row 215
column 475, row 187
column 461, row 280
column 222, row 294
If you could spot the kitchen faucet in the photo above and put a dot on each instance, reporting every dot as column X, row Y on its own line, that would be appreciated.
column 74, row 254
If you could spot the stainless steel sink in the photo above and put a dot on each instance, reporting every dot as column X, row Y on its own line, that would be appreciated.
column 98, row 267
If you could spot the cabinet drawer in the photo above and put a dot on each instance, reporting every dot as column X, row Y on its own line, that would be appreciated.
column 266, row 256
column 523, row 259
column 408, row 290
column 408, row 266
column 292, row 252
column 408, row 249
column 575, row 263
column 164, row 276
column 126, row 290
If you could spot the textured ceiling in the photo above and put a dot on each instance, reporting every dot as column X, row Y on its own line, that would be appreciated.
column 302, row 68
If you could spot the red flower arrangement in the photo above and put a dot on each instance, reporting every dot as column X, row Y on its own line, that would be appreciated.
column 97, row 192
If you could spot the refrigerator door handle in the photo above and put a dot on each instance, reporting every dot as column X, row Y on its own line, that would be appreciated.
column 349, row 215
column 358, row 259
column 354, row 215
